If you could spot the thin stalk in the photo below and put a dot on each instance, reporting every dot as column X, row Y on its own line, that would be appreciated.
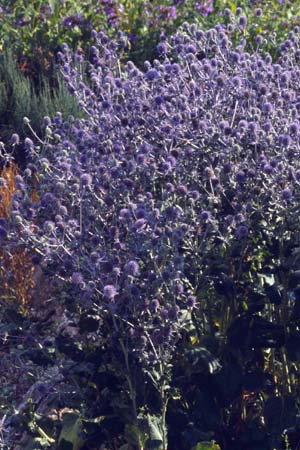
column 286, row 371
column 283, row 309
column 27, row 122
column 132, row 392
column 164, row 399
column 164, row 403
column 234, row 113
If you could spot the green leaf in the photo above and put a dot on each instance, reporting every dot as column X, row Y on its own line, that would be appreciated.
column 154, row 427
column 133, row 435
column 155, row 441
column 202, row 360
column 207, row 446
column 70, row 436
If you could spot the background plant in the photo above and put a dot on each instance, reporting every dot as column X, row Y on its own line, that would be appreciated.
column 20, row 98
column 34, row 31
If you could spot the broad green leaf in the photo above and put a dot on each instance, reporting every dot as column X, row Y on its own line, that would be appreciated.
column 154, row 426
column 155, row 441
column 70, row 433
column 134, row 436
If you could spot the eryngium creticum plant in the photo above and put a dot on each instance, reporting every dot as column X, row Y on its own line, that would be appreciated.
column 184, row 176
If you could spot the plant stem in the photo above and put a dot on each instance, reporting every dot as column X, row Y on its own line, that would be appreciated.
column 164, row 399
column 164, row 404
column 132, row 392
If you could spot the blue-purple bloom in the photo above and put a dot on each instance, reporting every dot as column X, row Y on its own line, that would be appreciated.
column 132, row 268
column 241, row 232
column 86, row 179
column 109, row 292
column 205, row 215
column 77, row 278
column 286, row 194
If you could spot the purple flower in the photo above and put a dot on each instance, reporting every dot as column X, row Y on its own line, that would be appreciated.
column 86, row 179
column 205, row 215
column 124, row 215
column 195, row 195
column 109, row 291
column 22, row 22
column 178, row 288
column 268, row 169
column 28, row 144
column 297, row 175
column 229, row 220
column 15, row 139
column 191, row 301
column 181, row 189
column 241, row 177
column 294, row 128
column 48, row 199
column 152, row 75
column 286, row 194
column 162, row 48
column 132, row 267
column 258, row 12
column 167, row 12
column 73, row 20
column 155, row 305
column 243, row 22
column 241, row 232
column 267, row 108
column 77, row 278
column 204, row 7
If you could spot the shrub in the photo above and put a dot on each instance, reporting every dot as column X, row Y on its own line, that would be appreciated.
column 169, row 219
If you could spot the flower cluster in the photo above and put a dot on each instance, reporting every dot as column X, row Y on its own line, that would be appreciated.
column 73, row 20
column 156, row 14
column 176, row 167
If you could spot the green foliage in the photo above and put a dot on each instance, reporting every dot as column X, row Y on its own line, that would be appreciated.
column 19, row 98
column 16, row 97
column 72, row 427
column 206, row 446
column 155, row 441
column 36, row 29
column 277, row 19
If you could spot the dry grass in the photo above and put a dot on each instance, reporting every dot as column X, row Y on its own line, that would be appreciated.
column 16, row 269
column 8, row 173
